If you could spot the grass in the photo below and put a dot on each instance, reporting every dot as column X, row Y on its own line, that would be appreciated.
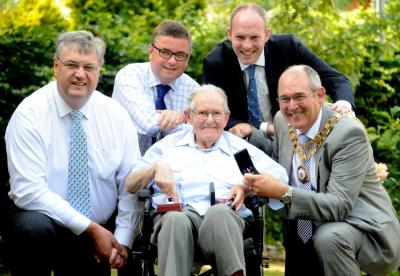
column 275, row 269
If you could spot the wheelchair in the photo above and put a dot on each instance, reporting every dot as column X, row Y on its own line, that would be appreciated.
column 144, row 254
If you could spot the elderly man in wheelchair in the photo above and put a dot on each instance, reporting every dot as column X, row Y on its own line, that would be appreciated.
column 179, row 169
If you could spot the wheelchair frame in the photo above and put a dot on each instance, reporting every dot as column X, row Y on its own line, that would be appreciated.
column 144, row 254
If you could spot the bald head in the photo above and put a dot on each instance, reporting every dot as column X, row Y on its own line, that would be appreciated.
column 254, row 9
column 298, row 71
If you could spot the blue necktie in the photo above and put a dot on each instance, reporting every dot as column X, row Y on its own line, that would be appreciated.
column 304, row 227
column 162, row 90
column 78, row 174
column 253, row 107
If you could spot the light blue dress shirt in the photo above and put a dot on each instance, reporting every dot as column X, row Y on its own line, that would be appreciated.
column 195, row 168
column 135, row 88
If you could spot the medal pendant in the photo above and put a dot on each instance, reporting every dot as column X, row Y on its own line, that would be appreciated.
column 302, row 174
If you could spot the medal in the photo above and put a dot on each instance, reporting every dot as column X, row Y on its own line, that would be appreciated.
column 306, row 151
column 302, row 174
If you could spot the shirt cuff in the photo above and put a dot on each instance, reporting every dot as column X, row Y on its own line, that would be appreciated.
column 264, row 128
column 125, row 236
column 78, row 223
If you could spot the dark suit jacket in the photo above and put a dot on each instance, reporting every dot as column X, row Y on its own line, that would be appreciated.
column 221, row 68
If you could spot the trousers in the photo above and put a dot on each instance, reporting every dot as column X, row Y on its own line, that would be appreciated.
column 37, row 246
column 218, row 235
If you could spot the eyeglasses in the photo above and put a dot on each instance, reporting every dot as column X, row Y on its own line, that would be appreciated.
column 73, row 66
column 203, row 115
column 296, row 98
column 166, row 53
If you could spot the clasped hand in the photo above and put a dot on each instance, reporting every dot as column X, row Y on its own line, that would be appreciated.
column 107, row 247
column 169, row 119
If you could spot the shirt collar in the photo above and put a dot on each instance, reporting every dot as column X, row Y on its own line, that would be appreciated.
column 154, row 81
column 260, row 62
column 313, row 131
column 62, row 108
column 188, row 140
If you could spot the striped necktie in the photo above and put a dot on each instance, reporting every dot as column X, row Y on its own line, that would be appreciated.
column 304, row 227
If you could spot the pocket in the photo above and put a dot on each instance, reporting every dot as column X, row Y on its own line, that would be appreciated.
column 105, row 164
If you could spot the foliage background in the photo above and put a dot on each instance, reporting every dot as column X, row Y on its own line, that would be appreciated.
column 350, row 35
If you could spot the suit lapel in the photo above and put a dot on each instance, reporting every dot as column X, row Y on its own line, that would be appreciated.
column 288, row 157
column 285, row 148
column 326, row 115
column 236, row 72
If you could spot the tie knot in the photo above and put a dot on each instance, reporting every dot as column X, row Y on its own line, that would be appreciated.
column 251, row 70
column 77, row 116
column 303, row 139
column 162, row 89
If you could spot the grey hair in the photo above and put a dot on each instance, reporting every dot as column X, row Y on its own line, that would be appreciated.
column 207, row 88
column 83, row 41
column 312, row 75
column 173, row 29
column 251, row 6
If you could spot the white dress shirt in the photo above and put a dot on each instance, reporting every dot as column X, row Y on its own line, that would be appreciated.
column 37, row 142
column 262, row 90
column 311, row 133
column 195, row 168
column 135, row 88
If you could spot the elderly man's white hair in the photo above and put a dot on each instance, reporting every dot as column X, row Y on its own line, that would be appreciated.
column 208, row 88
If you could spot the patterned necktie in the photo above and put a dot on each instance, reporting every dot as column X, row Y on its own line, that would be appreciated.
column 78, row 174
column 253, row 107
column 304, row 227
column 162, row 90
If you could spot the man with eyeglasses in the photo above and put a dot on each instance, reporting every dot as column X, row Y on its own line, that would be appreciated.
column 181, row 166
column 338, row 218
column 251, row 50
column 154, row 93
column 69, row 149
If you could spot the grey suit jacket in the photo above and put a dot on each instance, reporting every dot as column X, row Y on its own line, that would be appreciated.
column 348, row 190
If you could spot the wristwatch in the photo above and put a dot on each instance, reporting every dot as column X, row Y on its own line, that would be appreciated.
column 287, row 197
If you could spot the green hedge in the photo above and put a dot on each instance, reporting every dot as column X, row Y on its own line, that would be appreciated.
column 358, row 42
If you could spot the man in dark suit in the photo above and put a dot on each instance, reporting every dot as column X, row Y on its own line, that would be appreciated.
column 251, row 42
column 338, row 218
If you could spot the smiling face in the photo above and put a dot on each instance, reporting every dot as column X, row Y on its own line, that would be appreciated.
column 303, row 112
column 248, row 34
column 77, row 75
column 168, row 69
column 208, row 130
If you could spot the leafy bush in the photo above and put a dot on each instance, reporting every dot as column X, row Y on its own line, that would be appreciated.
column 385, row 139
column 27, row 34
column 360, row 43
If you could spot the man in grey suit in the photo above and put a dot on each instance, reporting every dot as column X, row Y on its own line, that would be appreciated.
column 338, row 219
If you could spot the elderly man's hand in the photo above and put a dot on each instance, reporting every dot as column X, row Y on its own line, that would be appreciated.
column 164, row 179
column 237, row 193
column 242, row 130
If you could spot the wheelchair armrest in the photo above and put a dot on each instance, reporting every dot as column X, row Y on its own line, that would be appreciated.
column 144, row 194
column 255, row 201
column 263, row 200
